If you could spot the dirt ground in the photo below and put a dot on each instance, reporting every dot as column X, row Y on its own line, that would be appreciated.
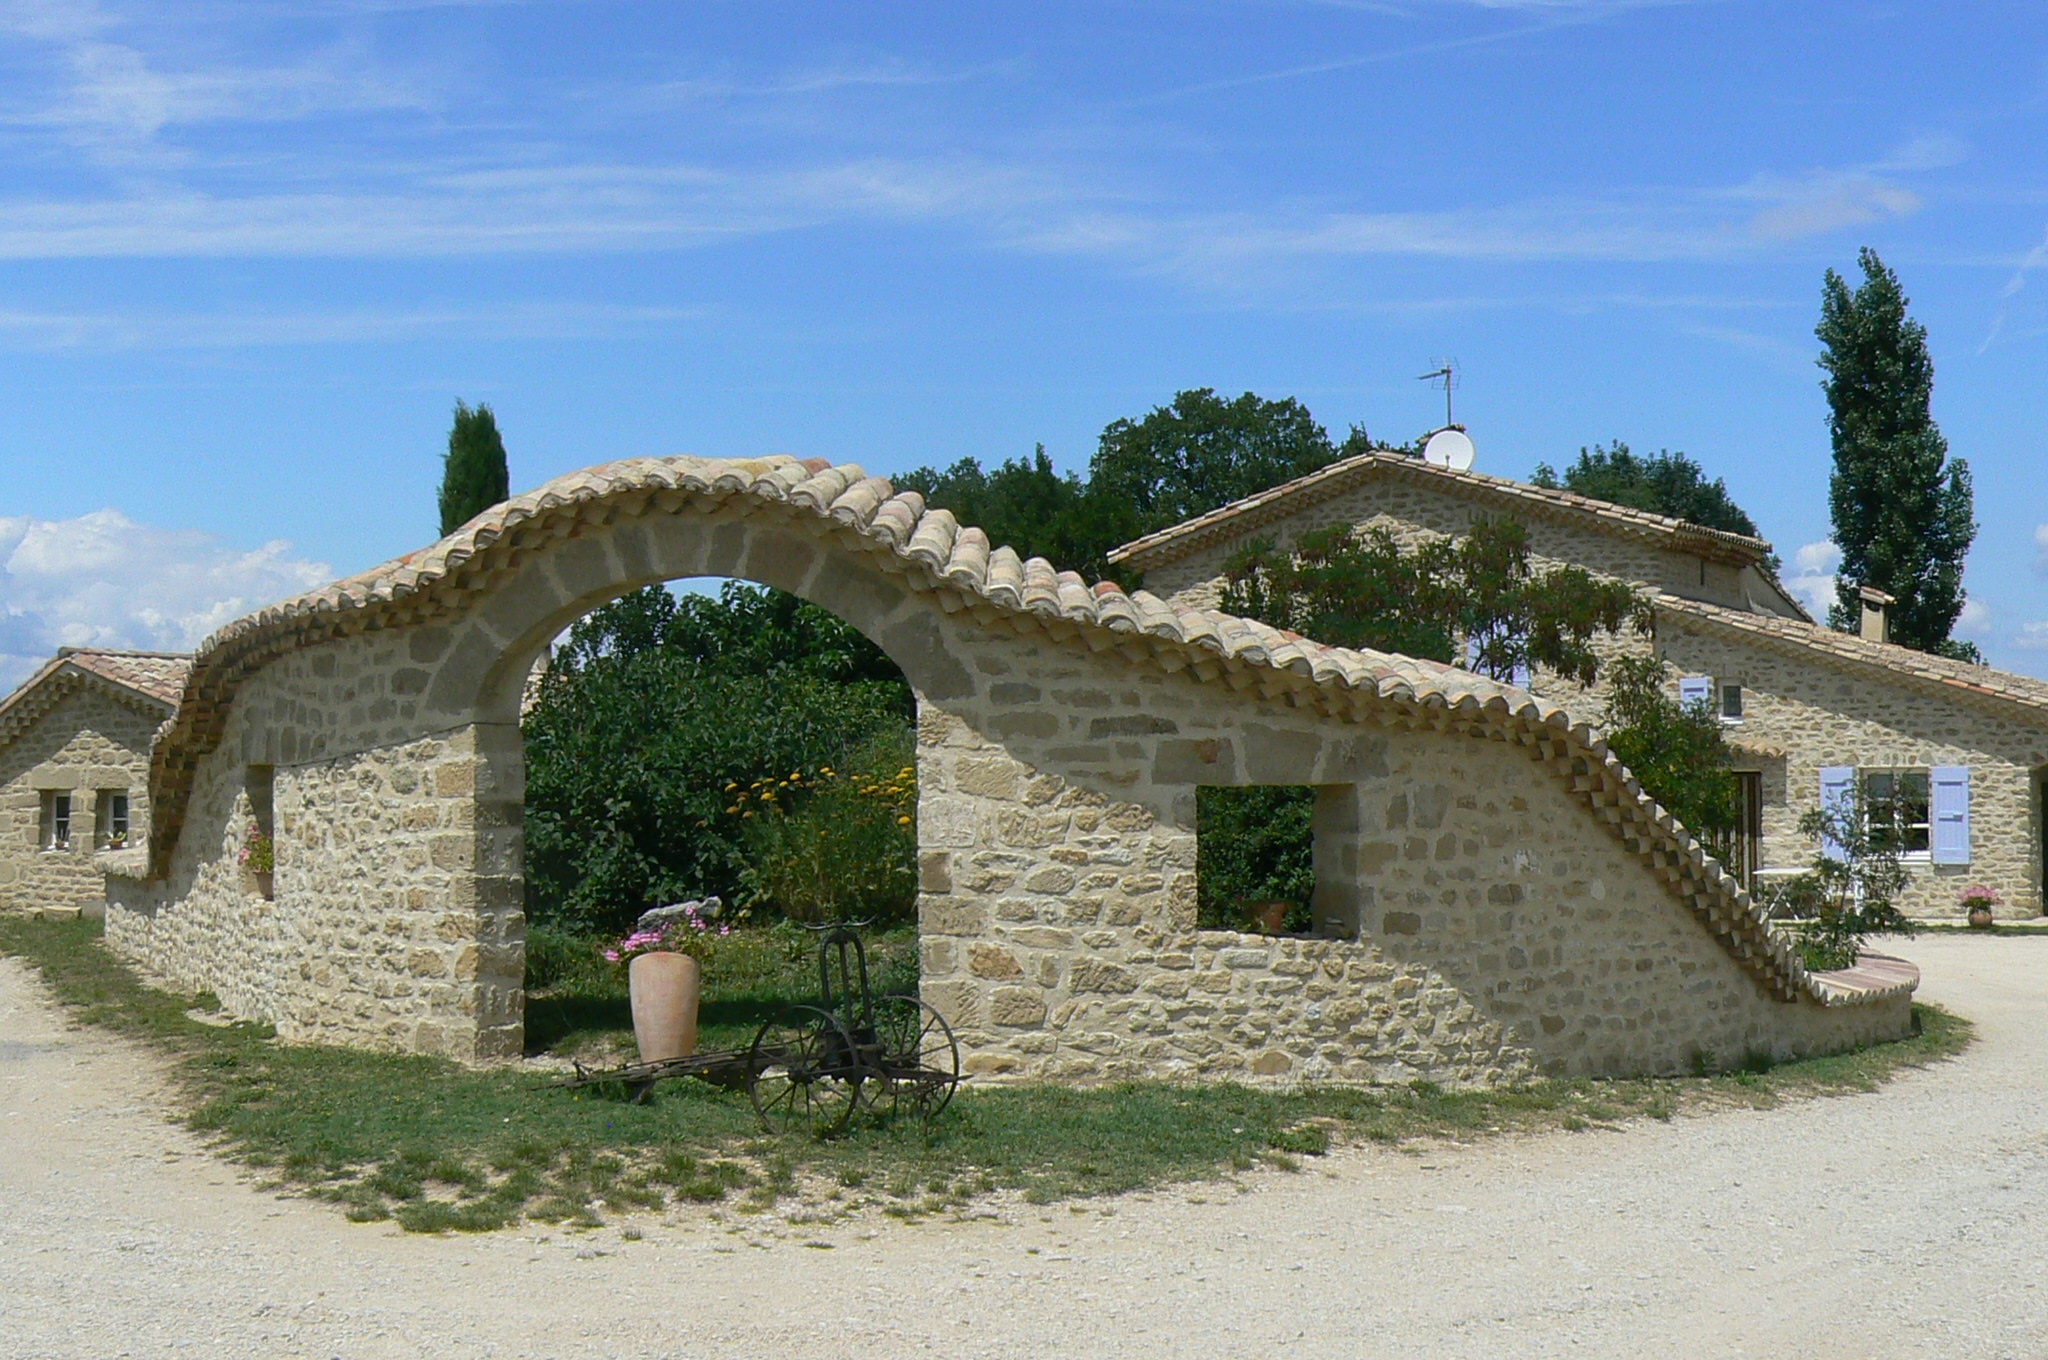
column 1912, row 1222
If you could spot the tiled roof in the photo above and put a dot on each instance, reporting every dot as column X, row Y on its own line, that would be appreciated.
column 933, row 552
column 150, row 680
column 1956, row 678
column 1290, row 498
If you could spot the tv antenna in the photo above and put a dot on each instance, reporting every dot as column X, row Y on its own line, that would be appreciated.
column 1446, row 373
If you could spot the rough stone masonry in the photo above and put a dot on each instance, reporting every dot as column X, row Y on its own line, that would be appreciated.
column 1495, row 897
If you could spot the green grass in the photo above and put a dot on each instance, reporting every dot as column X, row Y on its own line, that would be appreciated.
column 439, row 1147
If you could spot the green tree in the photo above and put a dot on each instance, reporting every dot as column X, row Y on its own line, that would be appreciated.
column 474, row 476
column 1200, row 452
column 1183, row 459
column 1901, row 508
column 1680, row 755
column 1026, row 504
column 1850, row 891
column 653, row 710
column 1664, row 483
column 1359, row 587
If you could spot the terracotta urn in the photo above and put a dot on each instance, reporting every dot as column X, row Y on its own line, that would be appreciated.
column 1270, row 917
column 1980, row 918
column 664, row 988
column 266, row 883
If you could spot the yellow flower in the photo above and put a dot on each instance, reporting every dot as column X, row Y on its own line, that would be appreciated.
column 745, row 815
column 903, row 821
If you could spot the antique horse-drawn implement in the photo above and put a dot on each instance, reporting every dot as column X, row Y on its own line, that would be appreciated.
column 811, row 1068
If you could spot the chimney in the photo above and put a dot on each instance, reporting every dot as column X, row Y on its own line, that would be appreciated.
column 1876, row 627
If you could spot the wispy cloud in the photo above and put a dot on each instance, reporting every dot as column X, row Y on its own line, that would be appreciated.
column 112, row 331
column 2032, row 637
column 104, row 580
column 2041, row 548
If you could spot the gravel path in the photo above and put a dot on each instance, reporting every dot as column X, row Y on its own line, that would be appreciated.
column 1906, row 1223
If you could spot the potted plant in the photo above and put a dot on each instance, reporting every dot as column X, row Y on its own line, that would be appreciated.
column 1978, row 901
column 259, row 857
column 664, row 978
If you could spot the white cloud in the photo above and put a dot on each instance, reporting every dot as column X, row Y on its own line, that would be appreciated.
column 1812, row 578
column 35, row 331
column 103, row 580
column 2032, row 636
column 1975, row 620
column 2041, row 548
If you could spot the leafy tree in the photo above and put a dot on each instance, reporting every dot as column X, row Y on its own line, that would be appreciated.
column 1359, row 587
column 474, row 476
column 1200, row 452
column 651, row 709
column 1028, row 505
column 1851, row 890
column 1901, row 508
column 1679, row 754
column 1181, row 460
column 1664, row 483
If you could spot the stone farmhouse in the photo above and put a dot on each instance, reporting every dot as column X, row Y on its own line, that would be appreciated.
column 1812, row 713
column 74, row 766
column 1495, row 896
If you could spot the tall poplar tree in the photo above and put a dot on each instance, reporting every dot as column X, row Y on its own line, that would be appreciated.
column 1901, row 508
column 474, row 476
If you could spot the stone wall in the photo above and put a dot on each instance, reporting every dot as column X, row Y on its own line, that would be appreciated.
column 1491, row 931
column 1498, row 899
column 1411, row 510
column 1800, row 714
column 1802, row 711
column 86, row 742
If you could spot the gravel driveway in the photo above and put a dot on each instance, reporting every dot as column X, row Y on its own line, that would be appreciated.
column 1907, row 1223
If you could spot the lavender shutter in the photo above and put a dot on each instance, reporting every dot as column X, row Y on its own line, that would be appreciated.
column 1695, row 689
column 1951, row 830
column 1837, row 799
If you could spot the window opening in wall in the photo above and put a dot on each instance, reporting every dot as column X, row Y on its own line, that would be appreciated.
column 55, row 829
column 1900, row 800
column 111, row 819
column 259, row 847
column 1747, row 847
column 1255, row 858
column 1731, row 702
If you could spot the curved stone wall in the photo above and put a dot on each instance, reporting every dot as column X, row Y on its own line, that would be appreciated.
column 1499, row 898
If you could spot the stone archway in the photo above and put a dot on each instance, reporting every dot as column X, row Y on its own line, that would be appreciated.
column 1505, row 900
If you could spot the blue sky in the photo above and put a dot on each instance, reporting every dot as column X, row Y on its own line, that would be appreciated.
column 251, row 254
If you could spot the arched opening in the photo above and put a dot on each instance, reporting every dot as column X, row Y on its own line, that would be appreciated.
column 715, row 742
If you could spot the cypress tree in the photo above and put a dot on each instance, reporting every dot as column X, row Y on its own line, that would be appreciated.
column 1901, row 508
column 474, row 476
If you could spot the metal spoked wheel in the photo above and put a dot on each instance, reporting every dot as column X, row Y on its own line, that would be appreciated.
column 916, row 1063
column 805, row 1075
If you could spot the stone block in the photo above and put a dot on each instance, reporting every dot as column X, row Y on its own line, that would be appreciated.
column 1016, row 1007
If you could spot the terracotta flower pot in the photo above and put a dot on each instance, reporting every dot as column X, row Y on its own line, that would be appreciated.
column 664, row 988
column 266, row 882
column 1270, row 917
column 1980, row 918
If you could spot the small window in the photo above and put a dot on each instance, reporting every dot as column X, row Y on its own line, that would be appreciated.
column 1731, row 702
column 1695, row 691
column 1897, row 806
column 56, row 820
column 1255, row 858
column 111, row 829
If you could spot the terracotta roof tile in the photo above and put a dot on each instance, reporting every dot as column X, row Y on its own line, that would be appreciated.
column 920, row 541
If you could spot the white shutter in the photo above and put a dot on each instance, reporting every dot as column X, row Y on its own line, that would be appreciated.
column 1951, row 830
column 1837, row 799
column 1695, row 689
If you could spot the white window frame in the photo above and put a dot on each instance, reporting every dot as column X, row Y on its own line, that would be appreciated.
column 1895, row 772
column 111, row 817
column 57, row 812
column 1722, row 688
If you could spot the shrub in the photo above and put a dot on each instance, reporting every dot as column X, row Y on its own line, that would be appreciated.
column 1850, row 892
column 1254, row 845
column 1678, row 754
column 837, row 843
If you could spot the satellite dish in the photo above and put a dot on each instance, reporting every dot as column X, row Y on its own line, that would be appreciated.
column 1449, row 448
